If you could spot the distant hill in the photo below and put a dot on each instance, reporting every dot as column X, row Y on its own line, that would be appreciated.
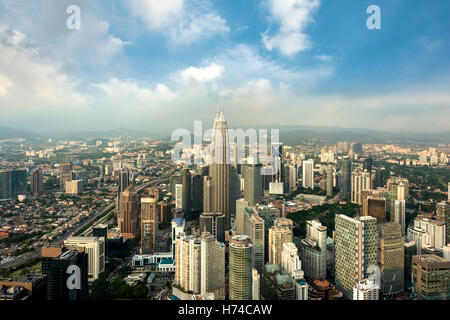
column 289, row 135
column 10, row 133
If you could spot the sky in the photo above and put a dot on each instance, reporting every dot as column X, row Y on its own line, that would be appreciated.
column 157, row 65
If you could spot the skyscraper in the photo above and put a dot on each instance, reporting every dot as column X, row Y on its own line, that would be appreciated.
column 19, row 182
column 128, row 215
column 293, row 177
column 188, row 262
column 308, row 174
column 197, row 194
column 376, row 207
column 212, row 266
column 398, row 190
column 240, row 268
column 256, row 283
column 187, row 194
column 278, row 235
column 360, row 182
column 149, row 225
column 399, row 215
column 356, row 243
column 220, row 169
column 37, row 187
column 252, row 182
column 6, row 185
column 290, row 262
column 55, row 265
column 346, row 179
column 65, row 174
column 330, row 181
column 313, row 250
column 443, row 215
column 391, row 258
column 178, row 196
column 368, row 162
column 208, row 194
column 430, row 277
column 95, row 250
column 254, row 228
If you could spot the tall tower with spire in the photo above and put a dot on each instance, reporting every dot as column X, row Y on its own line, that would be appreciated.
column 220, row 168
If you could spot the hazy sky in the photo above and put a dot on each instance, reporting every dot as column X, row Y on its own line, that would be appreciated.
column 158, row 64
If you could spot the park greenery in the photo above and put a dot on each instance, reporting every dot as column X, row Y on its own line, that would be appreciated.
column 324, row 213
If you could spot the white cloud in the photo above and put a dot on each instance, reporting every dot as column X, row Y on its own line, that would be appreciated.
column 5, row 84
column 31, row 85
column 205, row 74
column 44, row 23
column 157, row 14
column 184, row 22
column 324, row 58
column 292, row 16
column 130, row 91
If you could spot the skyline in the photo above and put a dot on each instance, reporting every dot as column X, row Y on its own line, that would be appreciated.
column 141, row 65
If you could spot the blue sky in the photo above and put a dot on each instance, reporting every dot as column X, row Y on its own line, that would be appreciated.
column 155, row 65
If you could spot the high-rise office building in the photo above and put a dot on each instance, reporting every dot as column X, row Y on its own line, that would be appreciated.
column 65, row 174
column 278, row 235
column 128, row 215
column 208, row 194
column 188, row 263
column 149, row 225
column 178, row 196
column 74, row 187
column 214, row 223
column 398, row 190
column 376, row 207
column 356, row 244
column 241, row 204
column 95, row 249
column 330, row 172
column 252, row 182
column 123, row 180
column 308, row 174
column 290, row 261
column 55, row 265
column 410, row 250
column 427, row 233
column 360, row 182
column 220, row 168
column 178, row 225
column 212, row 266
column 197, row 194
column 6, row 185
column 367, row 165
column 443, row 215
column 37, row 187
column 313, row 250
column 391, row 258
column 19, row 182
column 240, row 268
column 431, row 277
column 399, row 214
column 256, row 283
column 346, row 178
column 254, row 228
column 187, row 194
column 293, row 177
